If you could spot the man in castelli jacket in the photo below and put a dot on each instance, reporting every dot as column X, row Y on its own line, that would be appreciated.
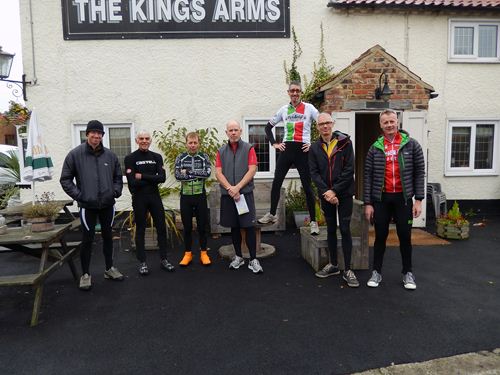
column 144, row 170
column 394, row 174
column 331, row 161
column 98, row 181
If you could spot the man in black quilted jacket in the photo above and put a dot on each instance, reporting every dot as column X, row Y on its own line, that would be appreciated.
column 92, row 176
column 394, row 175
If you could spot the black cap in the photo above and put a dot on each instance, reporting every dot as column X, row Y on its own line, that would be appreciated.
column 94, row 125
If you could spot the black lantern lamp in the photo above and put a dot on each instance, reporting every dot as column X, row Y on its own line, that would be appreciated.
column 385, row 92
column 5, row 65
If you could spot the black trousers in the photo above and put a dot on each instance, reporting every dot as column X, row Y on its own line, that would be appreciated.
column 293, row 154
column 393, row 205
column 142, row 204
column 194, row 206
column 88, row 218
column 344, row 209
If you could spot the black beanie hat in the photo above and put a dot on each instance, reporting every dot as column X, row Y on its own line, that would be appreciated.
column 94, row 125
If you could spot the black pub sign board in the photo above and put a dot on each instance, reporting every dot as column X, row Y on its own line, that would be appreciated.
column 148, row 19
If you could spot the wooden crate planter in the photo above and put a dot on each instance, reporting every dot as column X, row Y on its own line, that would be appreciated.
column 41, row 224
column 453, row 231
column 314, row 249
column 262, row 196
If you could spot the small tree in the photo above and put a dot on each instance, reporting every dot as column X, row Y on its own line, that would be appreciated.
column 293, row 74
column 172, row 142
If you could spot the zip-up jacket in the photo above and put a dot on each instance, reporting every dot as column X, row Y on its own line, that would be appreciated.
column 97, row 174
column 150, row 165
column 334, row 172
column 197, row 169
column 235, row 165
column 411, row 168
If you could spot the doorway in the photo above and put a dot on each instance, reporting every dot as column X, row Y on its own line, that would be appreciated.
column 367, row 130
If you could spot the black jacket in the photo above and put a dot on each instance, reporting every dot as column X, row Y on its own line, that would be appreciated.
column 97, row 174
column 335, row 172
column 411, row 168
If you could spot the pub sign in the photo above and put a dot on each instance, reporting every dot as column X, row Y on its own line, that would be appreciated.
column 146, row 19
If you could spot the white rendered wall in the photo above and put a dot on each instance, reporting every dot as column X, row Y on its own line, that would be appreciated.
column 206, row 82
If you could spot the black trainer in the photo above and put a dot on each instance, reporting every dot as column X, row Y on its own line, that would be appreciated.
column 166, row 265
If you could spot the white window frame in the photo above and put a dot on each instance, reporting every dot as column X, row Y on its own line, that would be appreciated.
column 474, row 58
column 472, row 123
column 82, row 125
column 247, row 121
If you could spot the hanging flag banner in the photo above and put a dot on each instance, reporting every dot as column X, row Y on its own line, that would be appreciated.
column 147, row 19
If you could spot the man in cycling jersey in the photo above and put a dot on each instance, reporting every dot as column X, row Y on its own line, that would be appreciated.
column 297, row 117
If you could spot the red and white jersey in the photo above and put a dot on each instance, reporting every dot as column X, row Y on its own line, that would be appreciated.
column 297, row 121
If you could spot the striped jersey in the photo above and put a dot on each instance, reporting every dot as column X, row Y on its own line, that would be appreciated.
column 297, row 121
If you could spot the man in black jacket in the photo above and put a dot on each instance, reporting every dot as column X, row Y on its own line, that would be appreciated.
column 144, row 171
column 394, row 174
column 331, row 161
column 98, row 178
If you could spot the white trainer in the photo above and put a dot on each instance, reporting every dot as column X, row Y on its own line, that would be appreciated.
column 254, row 266
column 314, row 227
column 236, row 263
column 268, row 219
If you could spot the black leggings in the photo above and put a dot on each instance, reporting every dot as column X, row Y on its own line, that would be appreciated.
column 344, row 209
column 88, row 218
column 142, row 203
column 194, row 205
column 393, row 205
column 293, row 154
column 251, row 241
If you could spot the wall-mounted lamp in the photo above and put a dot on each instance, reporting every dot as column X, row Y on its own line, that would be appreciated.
column 385, row 92
column 5, row 65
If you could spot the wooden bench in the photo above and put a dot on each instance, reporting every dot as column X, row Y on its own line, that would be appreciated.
column 314, row 249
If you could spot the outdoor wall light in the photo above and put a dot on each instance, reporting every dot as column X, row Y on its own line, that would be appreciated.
column 5, row 65
column 385, row 92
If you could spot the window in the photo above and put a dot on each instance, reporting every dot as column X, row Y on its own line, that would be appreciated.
column 476, row 41
column 254, row 133
column 472, row 147
column 117, row 137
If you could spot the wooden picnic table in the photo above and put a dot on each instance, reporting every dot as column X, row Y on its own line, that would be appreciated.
column 50, row 247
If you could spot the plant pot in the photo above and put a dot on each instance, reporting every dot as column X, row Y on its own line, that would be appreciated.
column 301, row 218
column 453, row 231
column 41, row 224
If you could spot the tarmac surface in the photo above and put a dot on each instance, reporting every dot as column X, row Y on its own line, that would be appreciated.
column 212, row 320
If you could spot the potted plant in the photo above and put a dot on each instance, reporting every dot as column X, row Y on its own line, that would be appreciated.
column 453, row 225
column 43, row 212
column 296, row 205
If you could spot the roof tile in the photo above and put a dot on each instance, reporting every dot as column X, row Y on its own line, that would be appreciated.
column 478, row 4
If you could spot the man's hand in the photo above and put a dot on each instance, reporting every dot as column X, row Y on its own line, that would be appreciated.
column 234, row 192
column 138, row 176
column 305, row 147
column 417, row 208
column 330, row 197
column 280, row 146
column 369, row 213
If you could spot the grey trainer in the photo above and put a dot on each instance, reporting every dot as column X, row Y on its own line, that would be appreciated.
column 85, row 282
column 268, row 219
column 409, row 281
column 350, row 279
column 254, row 266
column 328, row 270
column 236, row 263
column 113, row 274
column 314, row 227
column 166, row 265
column 374, row 280
column 143, row 269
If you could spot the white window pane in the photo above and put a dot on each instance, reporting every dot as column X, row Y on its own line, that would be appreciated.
column 460, row 147
column 464, row 41
column 119, row 143
column 257, row 138
column 488, row 37
column 483, row 158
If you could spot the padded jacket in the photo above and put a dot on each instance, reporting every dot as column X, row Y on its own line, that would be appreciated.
column 411, row 167
column 97, row 174
column 335, row 172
